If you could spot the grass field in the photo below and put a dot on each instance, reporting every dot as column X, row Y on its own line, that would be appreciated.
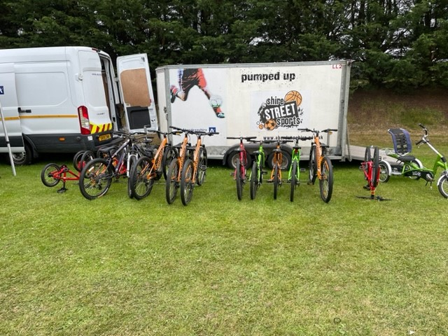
column 117, row 266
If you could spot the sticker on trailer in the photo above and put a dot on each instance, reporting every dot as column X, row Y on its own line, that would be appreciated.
column 274, row 110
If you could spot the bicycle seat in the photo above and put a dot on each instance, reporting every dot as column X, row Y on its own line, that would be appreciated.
column 406, row 158
column 402, row 141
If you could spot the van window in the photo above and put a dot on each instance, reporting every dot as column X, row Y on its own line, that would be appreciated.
column 41, row 88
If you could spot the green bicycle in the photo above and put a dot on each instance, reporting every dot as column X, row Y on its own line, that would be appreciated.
column 256, row 174
column 294, row 169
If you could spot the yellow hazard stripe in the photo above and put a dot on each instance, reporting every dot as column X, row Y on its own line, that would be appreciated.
column 100, row 128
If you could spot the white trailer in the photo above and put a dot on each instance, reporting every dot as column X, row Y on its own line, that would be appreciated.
column 66, row 99
column 263, row 100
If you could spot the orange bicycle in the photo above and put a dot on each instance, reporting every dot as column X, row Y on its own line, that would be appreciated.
column 147, row 170
column 320, row 164
column 194, row 170
column 174, row 174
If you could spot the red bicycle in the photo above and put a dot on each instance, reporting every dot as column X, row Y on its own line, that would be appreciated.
column 52, row 174
column 371, row 170
column 240, row 173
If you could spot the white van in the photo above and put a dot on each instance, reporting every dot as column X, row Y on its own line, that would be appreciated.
column 65, row 99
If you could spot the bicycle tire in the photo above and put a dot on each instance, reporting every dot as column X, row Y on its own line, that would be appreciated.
column 47, row 175
column 312, row 166
column 95, row 179
column 77, row 159
column 276, row 181
column 187, row 182
column 254, row 181
column 367, row 154
column 141, row 178
column 169, row 154
column 171, row 183
column 326, row 181
column 442, row 185
column 385, row 171
column 375, row 167
column 238, row 180
column 202, row 167
column 294, row 180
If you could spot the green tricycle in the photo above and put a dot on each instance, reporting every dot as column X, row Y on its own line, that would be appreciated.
column 409, row 166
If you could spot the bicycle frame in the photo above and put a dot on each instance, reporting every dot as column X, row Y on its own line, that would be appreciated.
column 368, row 168
column 439, row 162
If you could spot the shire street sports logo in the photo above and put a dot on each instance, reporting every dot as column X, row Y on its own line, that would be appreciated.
column 281, row 112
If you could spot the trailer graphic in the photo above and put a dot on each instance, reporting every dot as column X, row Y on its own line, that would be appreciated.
column 263, row 100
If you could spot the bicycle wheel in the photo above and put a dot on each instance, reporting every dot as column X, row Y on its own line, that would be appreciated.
column 141, row 179
column 169, row 154
column 326, row 181
column 186, row 182
column 375, row 167
column 77, row 159
column 294, row 180
column 48, row 176
column 407, row 167
column 95, row 179
column 385, row 171
column 254, row 180
column 202, row 167
column 171, row 183
column 442, row 185
column 312, row 169
column 238, row 179
column 276, row 180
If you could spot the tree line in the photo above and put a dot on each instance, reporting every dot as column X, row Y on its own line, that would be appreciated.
column 397, row 44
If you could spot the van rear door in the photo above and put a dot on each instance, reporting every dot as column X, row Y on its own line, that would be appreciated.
column 9, row 106
column 136, row 90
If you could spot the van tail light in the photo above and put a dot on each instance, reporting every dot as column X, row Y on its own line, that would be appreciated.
column 84, row 123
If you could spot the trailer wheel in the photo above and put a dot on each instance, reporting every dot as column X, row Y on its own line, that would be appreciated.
column 24, row 158
column 234, row 156
column 285, row 162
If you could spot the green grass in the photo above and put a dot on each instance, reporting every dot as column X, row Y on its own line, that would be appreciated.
column 117, row 266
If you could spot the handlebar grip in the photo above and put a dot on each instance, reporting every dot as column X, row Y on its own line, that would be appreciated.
column 421, row 125
column 418, row 142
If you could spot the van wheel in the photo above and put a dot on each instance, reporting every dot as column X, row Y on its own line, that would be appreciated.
column 24, row 158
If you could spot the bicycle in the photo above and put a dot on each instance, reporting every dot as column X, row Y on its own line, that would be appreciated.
column 240, row 174
column 320, row 165
column 277, row 163
column 371, row 169
column 413, row 168
column 114, row 162
column 174, row 174
column 147, row 169
column 294, row 168
column 257, row 171
column 194, row 169
column 52, row 174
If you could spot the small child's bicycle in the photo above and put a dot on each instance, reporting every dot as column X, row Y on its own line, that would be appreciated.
column 371, row 170
column 52, row 174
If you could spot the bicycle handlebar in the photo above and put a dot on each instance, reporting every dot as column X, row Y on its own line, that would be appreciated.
column 191, row 131
column 327, row 130
column 247, row 138
column 423, row 139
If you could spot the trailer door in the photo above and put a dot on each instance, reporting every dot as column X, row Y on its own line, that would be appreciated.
column 136, row 90
column 10, row 111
